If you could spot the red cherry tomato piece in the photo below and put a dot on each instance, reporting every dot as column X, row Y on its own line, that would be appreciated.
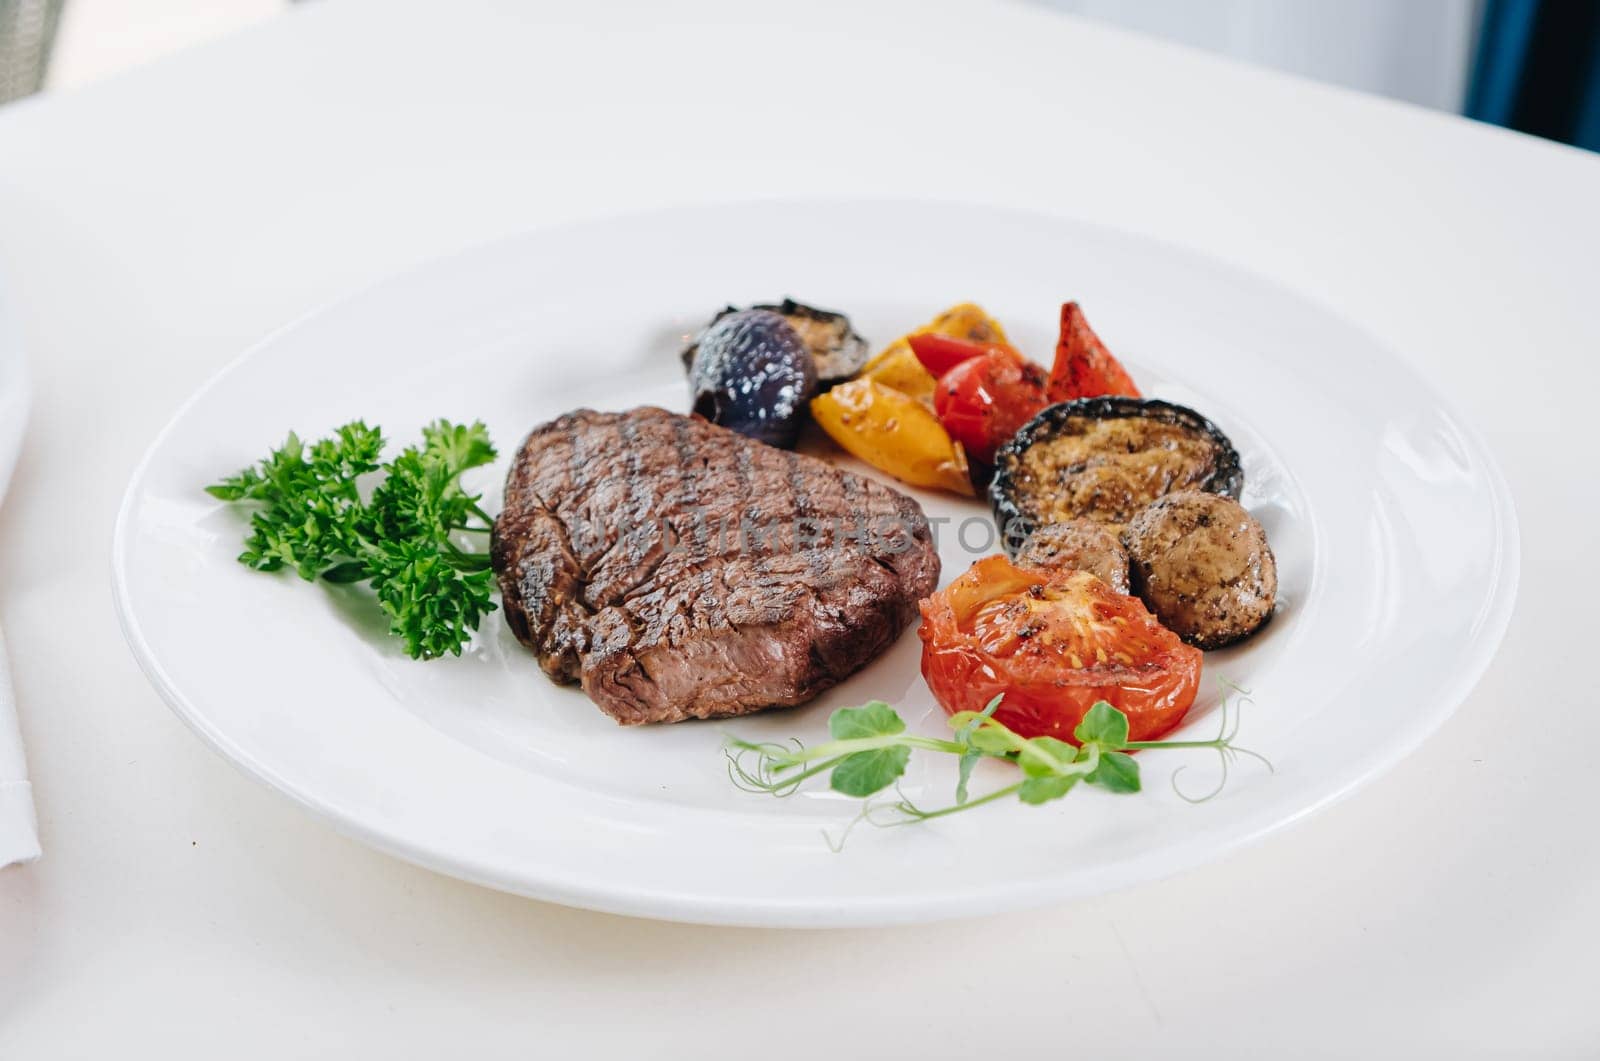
column 984, row 400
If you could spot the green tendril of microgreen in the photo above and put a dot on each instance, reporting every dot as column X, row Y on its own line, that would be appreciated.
column 870, row 750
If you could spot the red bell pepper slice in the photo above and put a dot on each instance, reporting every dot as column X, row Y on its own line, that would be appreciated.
column 1084, row 368
column 940, row 353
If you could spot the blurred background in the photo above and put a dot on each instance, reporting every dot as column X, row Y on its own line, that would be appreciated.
column 1532, row 65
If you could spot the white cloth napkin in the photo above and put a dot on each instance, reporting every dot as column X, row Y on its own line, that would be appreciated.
column 19, row 833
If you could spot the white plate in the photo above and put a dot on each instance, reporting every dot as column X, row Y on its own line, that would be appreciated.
column 1395, row 536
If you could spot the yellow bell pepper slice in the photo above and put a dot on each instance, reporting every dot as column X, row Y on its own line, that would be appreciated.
column 894, row 433
column 896, row 366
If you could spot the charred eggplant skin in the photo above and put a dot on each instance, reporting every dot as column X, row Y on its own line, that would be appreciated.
column 1008, row 490
column 839, row 352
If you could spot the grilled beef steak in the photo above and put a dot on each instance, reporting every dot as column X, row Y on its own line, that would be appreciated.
column 678, row 570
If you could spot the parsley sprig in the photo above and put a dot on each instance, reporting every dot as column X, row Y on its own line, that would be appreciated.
column 406, row 540
column 870, row 750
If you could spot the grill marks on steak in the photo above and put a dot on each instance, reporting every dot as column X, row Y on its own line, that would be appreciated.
column 678, row 570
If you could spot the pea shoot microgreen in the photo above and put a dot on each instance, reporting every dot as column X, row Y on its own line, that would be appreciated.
column 870, row 749
column 406, row 540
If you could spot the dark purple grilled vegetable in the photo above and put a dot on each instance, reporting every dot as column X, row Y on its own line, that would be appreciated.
column 751, row 373
column 838, row 351
column 1105, row 459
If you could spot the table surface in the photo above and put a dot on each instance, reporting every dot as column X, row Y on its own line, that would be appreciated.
column 154, row 225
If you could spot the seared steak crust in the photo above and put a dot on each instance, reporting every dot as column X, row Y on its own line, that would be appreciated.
column 678, row 570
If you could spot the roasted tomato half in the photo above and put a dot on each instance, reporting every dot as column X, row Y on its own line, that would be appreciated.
column 1053, row 642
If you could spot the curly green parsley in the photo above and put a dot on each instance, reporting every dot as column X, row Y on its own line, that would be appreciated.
column 407, row 540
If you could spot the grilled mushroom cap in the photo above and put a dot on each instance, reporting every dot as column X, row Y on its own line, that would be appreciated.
column 1078, row 545
column 1202, row 564
column 1105, row 459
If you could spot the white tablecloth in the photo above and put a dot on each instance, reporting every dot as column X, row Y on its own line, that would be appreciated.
column 154, row 225
column 19, row 839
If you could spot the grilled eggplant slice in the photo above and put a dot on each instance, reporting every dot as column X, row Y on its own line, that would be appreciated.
column 836, row 349
column 1105, row 459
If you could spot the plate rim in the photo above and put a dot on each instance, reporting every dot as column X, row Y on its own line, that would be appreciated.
column 1501, row 591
